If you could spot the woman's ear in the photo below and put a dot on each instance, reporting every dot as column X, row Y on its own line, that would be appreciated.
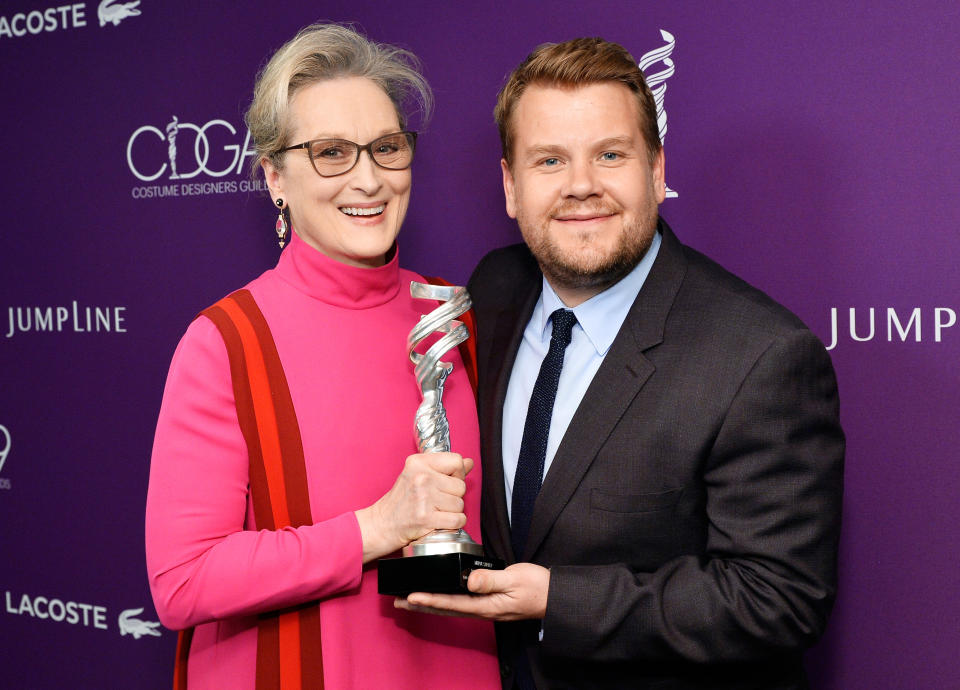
column 273, row 178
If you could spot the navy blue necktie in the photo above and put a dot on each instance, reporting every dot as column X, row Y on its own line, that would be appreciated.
column 533, row 447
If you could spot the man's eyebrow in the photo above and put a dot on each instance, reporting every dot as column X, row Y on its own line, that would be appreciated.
column 538, row 150
column 615, row 141
column 544, row 150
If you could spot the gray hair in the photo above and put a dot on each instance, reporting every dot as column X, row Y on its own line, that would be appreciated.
column 328, row 51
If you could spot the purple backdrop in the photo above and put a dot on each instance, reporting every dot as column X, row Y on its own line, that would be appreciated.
column 813, row 148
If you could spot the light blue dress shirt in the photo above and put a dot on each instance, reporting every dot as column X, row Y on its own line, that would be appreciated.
column 598, row 321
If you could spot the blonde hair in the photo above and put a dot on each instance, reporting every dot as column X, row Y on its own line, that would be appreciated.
column 573, row 63
column 328, row 51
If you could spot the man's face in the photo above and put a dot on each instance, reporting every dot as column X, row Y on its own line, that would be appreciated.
column 581, row 186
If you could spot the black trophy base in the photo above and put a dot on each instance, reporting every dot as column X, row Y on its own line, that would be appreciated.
column 442, row 573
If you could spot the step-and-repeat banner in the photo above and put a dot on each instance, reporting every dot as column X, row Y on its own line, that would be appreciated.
column 811, row 148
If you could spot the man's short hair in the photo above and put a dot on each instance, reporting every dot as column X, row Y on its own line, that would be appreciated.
column 573, row 63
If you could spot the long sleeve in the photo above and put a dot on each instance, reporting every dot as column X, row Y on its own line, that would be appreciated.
column 765, row 584
column 204, row 560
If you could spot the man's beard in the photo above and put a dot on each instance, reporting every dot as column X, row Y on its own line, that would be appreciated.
column 586, row 267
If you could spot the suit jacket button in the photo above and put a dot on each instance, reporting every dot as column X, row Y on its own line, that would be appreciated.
column 505, row 669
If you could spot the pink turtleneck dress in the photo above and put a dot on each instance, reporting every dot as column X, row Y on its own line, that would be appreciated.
column 341, row 335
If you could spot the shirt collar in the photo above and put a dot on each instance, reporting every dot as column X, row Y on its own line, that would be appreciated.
column 601, row 316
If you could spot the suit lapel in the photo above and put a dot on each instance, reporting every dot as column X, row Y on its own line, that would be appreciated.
column 505, row 342
column 617, row 382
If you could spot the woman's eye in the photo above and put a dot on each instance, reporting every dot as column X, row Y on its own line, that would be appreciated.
column 330, row 152
column 387, row 148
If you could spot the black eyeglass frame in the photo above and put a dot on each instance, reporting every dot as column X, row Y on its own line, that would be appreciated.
column 368, row 147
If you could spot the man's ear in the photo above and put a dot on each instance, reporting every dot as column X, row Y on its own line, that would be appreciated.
column 509, row 191
column 659, row 173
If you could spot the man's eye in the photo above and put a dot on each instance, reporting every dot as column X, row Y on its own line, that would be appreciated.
column 550, row 162
column 609, row 156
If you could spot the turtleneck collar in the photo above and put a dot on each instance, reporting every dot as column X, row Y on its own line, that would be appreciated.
column 335, row 283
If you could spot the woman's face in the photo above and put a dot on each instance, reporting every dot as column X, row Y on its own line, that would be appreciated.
column 325, row 211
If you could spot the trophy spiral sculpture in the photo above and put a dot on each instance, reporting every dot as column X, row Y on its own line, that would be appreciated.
column 432, row 429
column 431, row 426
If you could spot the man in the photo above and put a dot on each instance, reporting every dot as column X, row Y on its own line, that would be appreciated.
column 686, row 529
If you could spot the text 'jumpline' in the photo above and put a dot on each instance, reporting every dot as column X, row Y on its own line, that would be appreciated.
column 74, row 318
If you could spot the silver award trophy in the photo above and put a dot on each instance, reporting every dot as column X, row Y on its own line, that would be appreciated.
column 442, row 560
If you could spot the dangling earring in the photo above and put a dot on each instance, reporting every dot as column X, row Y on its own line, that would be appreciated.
column 281, row 224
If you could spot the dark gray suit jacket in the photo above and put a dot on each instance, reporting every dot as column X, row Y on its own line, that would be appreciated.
column 691, row 515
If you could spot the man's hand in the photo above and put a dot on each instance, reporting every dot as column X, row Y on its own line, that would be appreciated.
column 514, row 594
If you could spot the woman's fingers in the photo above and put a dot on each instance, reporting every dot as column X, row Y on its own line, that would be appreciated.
column 452, row 464
column 428, row 495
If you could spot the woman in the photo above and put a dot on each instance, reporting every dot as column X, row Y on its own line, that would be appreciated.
column 272, row 561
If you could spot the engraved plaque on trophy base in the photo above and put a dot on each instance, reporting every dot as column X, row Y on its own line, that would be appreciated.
column 442, row 573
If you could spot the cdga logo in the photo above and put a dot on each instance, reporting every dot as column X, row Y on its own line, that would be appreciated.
column 5, row 443
column 185, row 150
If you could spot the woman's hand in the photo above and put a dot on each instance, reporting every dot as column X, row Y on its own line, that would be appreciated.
column 427, row 495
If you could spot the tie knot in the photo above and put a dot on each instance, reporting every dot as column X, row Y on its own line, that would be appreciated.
column 563, row 320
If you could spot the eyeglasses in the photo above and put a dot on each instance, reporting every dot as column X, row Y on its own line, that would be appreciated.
column 332, row 157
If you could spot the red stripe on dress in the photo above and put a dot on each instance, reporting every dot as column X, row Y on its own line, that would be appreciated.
column 298, row 631
column 291, row 445
column 468, row 348
column 289, row 630
column 266, row 420
column 262, row 509
column 183, row 654
column 288, row 642
column 311, row 657
column 268, row 652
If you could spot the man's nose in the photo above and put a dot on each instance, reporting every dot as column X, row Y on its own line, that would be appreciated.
column 582, row 181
